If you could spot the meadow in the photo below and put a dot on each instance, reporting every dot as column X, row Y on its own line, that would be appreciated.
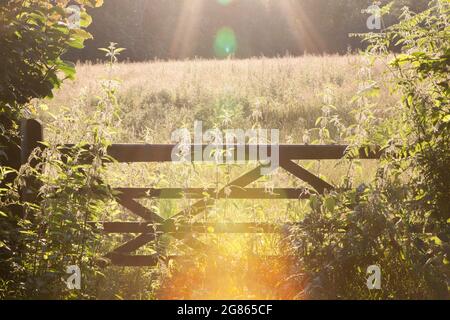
column 158, row 97
column 382, row 232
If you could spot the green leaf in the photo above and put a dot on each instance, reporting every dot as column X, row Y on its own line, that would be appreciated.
column 436, row 240
column 81, row 34
column 85, row 20
column 330, row 204
column 68, row 68
column 76, row 42
column 3, row 245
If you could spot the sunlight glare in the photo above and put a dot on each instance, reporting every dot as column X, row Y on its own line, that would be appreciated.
column 185, row 37
column 225, row 43
column 224, row 2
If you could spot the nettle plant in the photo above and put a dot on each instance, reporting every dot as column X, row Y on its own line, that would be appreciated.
column 36, row 248
column 35, row 35
column 399, row 222
column 75, row 197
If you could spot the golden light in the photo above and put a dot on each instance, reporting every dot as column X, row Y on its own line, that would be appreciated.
column 225, row 43
column 300, row 25
column 185, row 37
column 233, row 271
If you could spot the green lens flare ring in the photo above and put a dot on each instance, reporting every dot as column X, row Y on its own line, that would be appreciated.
column 225, row 43
column 224, row 2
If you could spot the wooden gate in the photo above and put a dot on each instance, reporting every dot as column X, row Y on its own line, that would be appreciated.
column 152, row 224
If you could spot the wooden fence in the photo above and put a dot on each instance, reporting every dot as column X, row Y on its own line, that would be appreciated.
column 152, row 225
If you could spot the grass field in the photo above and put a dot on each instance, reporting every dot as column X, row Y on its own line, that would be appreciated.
column 156, row 98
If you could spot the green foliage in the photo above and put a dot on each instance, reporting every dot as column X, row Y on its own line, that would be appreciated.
column 60, row 230
column 35, row 35
column 35, row 248
column 400, row 221
column 160, row 28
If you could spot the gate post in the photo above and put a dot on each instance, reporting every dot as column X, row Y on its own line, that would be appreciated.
column 31, row 135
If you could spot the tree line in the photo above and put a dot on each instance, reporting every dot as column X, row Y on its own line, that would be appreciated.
column 179, row 29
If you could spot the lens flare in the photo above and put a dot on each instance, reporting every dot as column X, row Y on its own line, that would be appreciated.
column 225, row 43
column 186, row 37
column 224, row 2
column 231, row 278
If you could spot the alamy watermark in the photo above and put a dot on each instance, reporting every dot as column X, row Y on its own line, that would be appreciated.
column 74, row 280
column 374, row 21
column 74, row 19
column 231, row 146
column 374, row 279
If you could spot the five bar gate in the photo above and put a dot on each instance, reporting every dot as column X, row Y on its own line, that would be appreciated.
column 152, row 224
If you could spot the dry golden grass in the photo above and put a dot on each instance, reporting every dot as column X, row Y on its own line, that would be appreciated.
column 159, row 97
column 156, row 98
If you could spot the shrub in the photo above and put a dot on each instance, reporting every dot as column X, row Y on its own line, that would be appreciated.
column 401, row 221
